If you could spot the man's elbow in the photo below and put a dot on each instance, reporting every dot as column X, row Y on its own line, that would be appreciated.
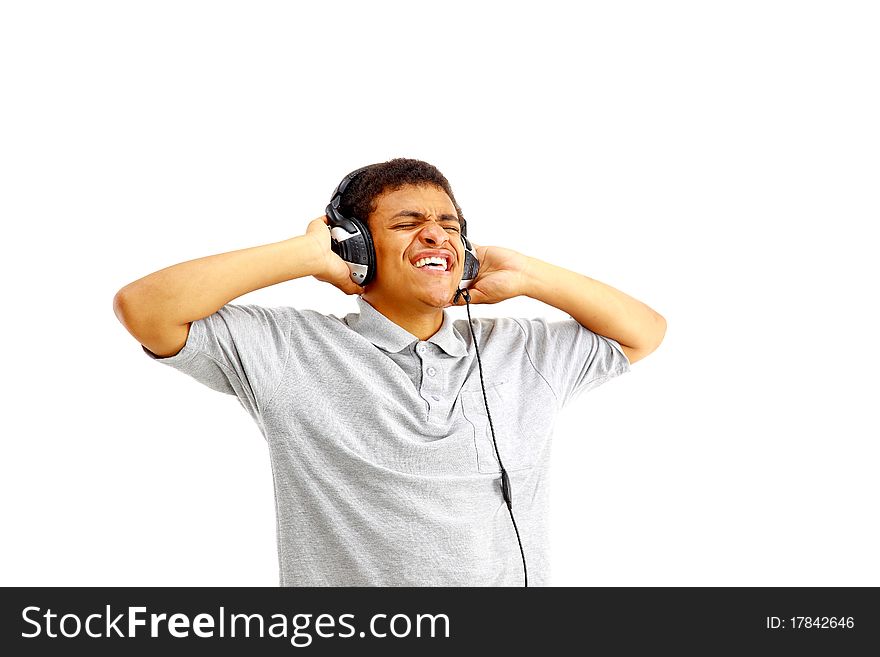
column 661, row 330
column 651, row 342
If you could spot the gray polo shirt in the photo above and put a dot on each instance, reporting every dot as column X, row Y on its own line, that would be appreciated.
column 384, row 468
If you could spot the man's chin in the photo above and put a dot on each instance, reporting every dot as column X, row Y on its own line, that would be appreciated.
column 437, row 302
column 435, row 298
column 426, row 295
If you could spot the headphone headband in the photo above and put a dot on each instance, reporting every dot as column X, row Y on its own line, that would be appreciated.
column 336, row 198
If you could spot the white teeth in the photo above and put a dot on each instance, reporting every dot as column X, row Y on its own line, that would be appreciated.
column 433, row 260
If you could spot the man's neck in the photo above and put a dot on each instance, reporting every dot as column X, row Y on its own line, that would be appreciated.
column 422, row 324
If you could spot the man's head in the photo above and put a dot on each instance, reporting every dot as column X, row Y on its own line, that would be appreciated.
column 412, row 213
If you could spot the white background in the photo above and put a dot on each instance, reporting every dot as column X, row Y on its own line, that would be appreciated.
column 718, row 161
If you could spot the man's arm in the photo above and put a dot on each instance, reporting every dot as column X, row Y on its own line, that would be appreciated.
column 159, row 308
column 599, row 307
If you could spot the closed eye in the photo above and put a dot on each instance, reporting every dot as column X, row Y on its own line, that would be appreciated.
column 452, row 228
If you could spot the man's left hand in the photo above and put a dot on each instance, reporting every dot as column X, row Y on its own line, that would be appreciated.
column 501, row 276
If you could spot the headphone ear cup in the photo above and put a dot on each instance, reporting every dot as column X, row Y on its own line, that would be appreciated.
column 351, row 240
column 369, row 250
column 471, row 264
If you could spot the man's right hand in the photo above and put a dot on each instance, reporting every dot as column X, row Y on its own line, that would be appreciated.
column 331, row 268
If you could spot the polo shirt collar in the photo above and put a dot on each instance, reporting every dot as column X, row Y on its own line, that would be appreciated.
column 387, row 335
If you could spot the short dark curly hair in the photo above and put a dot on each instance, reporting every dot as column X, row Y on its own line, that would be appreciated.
column 359, row 199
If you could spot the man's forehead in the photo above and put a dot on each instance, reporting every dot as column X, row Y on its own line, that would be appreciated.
column 413, row 197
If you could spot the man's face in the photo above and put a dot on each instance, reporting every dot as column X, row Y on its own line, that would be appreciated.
column 409, row 224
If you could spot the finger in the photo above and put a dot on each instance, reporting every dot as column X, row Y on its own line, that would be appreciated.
column 315, row 224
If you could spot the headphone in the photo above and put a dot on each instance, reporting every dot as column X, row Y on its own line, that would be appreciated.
column 351, row 240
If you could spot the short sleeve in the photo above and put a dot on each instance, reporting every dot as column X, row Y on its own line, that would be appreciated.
column 570, row 357
column 239, row 350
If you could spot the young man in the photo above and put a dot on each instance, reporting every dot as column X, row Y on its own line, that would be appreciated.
column 388, row 469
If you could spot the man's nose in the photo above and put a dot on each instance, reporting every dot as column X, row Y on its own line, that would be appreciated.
column 433, row 233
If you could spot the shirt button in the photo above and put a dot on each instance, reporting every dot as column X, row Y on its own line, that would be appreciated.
column 431, row 371
column 421, row 348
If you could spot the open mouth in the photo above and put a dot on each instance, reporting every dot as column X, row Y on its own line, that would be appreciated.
column 433, row 265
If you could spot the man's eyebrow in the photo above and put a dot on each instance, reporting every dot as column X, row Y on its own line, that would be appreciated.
column 419, row 215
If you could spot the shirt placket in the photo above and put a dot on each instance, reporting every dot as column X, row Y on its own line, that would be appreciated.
column 433, row 378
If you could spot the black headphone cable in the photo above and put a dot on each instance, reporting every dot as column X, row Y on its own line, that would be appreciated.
column 505, row 480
